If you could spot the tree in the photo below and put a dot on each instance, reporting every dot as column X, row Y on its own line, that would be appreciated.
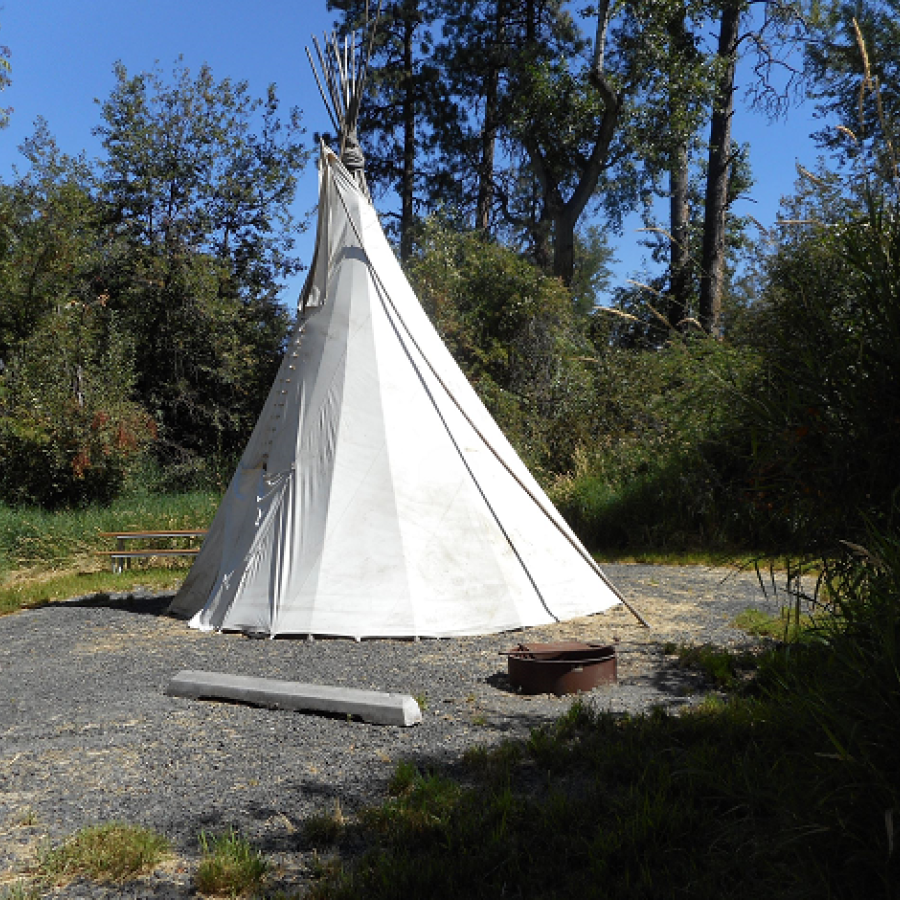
column 197, row 180
column 403, row 98
column 587, row 129
column 712, row 260
column 70, row 426
column 853, row 64
column 516, row 334
column 781, row 26
column 485, row 43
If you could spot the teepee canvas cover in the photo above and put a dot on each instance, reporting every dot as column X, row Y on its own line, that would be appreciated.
column 377, row 496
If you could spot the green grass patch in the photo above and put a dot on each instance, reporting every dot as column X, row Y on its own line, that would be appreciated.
column 230, row 866
column 109, row 852
column 48, row 556
column 25, row 593
column 20, row 890
column 786, row 626
column 721, row 802
column 725, row 668
column 736, row 559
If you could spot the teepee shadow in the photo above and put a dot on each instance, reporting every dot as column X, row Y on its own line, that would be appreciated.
column 138, row 604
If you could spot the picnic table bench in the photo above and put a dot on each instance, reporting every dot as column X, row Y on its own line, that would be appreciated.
column 121, row 557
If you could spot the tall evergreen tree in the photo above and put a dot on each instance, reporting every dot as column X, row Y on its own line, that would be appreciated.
column 404, row 99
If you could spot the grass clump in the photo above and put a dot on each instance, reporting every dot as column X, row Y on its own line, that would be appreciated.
column 31, row 537
column 327, row 827
column 109, row 852
column 786, row 626
column 725, row 668
column 230, row 865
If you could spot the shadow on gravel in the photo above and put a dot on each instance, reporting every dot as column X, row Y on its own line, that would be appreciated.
column 140, row 605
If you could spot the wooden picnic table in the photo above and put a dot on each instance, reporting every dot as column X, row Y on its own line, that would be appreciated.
column 121, row 557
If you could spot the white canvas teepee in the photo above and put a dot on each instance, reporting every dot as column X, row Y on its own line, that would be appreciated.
column 377, row 496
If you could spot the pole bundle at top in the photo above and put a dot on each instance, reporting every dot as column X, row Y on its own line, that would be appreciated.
column 343, row 66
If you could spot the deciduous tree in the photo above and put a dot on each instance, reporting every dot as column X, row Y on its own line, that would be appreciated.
column 197, row 180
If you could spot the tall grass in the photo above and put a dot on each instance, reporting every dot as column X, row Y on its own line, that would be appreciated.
column 32, row 537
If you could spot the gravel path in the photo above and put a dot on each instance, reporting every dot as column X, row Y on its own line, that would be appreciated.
column 88, row 735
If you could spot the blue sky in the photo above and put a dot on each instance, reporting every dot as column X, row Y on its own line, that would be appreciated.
column 63, row 54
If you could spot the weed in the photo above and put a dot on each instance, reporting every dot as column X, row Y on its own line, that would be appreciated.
column 26, row 817
column 724, row 668
column 403, row 779
column 230, row 865
column 109, row 852
column 324, row 828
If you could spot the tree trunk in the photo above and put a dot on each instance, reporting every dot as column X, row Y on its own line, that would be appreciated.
column 716, row 206
column 679, row 247
column 408, row 176
column 678, row 300
column 565, row 214
column 491, row 122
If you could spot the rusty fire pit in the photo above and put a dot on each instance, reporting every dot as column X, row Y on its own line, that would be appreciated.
column 565, row 667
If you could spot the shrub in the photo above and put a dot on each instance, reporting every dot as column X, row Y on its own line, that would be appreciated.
column 516, row 334
column 69, row 430
column 824, row 413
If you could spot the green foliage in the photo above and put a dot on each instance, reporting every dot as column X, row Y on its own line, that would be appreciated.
column 138, row 297
column 31, row 537
column 198, row 179
column 558, row 109
column 230, row 866
column 69, row 432
column 853, row 65
column 665, row 468
column 5, row 81
column 515, row 333
column 109, row 852
column 824, row 413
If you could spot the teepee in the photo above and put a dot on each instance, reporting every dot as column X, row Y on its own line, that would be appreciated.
column 376, row 496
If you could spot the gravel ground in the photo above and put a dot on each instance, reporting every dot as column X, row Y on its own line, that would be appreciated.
column 88, row 734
